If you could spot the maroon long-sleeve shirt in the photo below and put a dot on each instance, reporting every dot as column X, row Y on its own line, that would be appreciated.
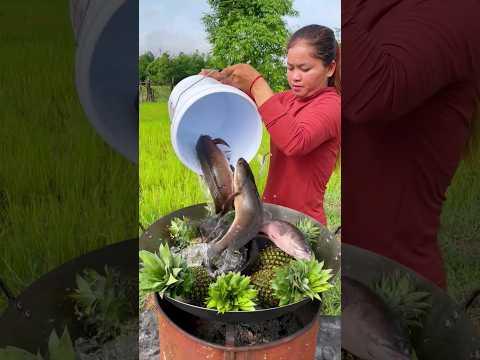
column 410, row 75
column 304, row 143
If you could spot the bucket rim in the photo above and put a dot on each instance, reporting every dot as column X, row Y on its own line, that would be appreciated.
column 90, row 32
column 174, row 125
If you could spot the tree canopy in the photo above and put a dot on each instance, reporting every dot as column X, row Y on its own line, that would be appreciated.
column 169, row 70
column 250, row 31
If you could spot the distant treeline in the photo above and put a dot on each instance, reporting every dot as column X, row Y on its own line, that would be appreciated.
column 168, row 70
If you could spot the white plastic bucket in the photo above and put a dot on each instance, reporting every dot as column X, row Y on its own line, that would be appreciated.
column 106, row 69
column 200, row 105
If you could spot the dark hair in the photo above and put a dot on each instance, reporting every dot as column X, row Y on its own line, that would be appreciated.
column 322, row 39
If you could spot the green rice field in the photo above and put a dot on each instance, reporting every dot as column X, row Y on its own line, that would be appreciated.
column 63, row 191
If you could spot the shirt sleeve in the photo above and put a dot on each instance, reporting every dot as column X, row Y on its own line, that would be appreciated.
column 422, row 49
column 301, row 132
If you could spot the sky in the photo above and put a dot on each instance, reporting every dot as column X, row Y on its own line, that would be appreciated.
column 167, row 26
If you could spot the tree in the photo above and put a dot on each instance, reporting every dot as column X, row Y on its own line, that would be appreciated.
column 160, row 70
column 143, row 62
column 168, row 70
column 250, row 31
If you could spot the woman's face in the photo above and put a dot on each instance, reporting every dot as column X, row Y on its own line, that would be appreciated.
column 306, row 74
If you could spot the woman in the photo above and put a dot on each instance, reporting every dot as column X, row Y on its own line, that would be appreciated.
column 303, row 122
column 412, row 73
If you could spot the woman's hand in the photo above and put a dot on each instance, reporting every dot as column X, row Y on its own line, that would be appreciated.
column 242, row 77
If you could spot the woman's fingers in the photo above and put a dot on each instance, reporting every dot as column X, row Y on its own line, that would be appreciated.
column 213, row 73
column 204, row 72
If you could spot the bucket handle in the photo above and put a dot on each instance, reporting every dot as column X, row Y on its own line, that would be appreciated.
column 189, row 87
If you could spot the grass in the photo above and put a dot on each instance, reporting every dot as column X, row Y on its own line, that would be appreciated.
column 160, row 92
column 167, row 185
column 460, row 234
column 63, row 191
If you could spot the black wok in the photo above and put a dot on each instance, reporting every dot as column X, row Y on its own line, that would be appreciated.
column 446, row 334
column 44, row 305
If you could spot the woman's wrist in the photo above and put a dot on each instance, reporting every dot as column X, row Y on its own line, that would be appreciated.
column 260, row 91
column 253, row 83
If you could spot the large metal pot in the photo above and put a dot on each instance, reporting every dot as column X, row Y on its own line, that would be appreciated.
column 447, row 333
column 328, row 250
column 177, row 342
column 175, row 321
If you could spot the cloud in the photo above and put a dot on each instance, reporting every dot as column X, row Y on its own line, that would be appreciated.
column 171, row 41
column 167, row 26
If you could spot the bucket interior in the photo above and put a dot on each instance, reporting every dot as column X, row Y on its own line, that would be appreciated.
column 224, row 115
column 113, row 79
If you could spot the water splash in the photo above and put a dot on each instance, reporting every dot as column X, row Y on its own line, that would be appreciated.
column 195, row 255
column 230, row 260
column 210, row 207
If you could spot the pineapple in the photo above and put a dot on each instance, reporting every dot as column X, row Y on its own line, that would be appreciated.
column 262, row 282
column 403, row 297
column 268, row 261
column 201, row 283
column 310, row 230
column 232, row 292
column 301, row 279
column 272, row 257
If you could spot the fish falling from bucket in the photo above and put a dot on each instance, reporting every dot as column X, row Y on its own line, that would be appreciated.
column 217, row 172
column 248, row 211
column 239, row 191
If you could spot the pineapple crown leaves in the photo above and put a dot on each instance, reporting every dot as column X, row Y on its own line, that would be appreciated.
column 164, row 273
column 401, row 295
column 102, row 302
column 58, row 349
column 309, row 229
column 231, row 292
column 300, row 279
column 61, row 348
column 182, row 231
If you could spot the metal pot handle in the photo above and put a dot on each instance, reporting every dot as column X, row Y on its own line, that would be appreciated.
column 471, row 299
column 13, row 301
column 6, row 291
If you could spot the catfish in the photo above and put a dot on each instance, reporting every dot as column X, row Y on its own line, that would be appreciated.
column 369, row 329
column 216, row 171
column 248, row 212
column 288, row 238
